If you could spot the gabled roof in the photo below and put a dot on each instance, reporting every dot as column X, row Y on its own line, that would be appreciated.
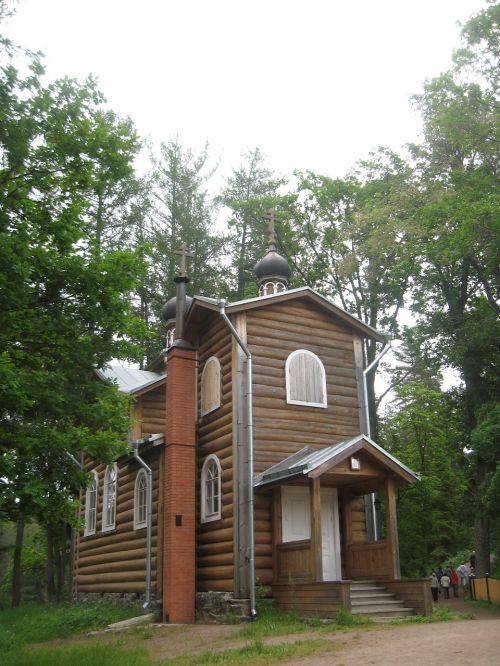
column 130, row 380
column 204, row 303
column 313, row 463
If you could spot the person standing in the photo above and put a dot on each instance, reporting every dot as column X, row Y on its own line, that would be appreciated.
column 454, row 583
column 462, row 574
column 445, row 584
column 434, row 586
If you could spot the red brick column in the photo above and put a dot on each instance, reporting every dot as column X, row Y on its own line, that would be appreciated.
column 179, row 492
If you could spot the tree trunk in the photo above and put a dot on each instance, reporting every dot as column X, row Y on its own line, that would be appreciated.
column 16, row 570
column 51, row 592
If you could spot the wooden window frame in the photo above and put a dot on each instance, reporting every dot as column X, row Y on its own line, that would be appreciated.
column 107, row 525
column 217, row 386
column 90, row 527
column 322, row 379
column 138, row 523
column 214, row 514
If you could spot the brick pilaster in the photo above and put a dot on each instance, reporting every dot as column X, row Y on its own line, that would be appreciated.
column 179, row 556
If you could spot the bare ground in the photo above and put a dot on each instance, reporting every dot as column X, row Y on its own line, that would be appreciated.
column 458, row 643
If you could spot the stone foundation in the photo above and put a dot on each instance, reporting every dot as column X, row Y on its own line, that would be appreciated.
column 221, row 607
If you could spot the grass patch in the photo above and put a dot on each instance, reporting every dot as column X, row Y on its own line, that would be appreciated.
column 256, row 652
column 272, row 622
column 42, row 622
column 493, row 606
column 344, row 618
column 439, row 614
column 77, row 655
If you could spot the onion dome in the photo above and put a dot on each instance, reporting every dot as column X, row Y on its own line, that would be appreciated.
column 272, row 267
column 168, row 312
column 272, row 271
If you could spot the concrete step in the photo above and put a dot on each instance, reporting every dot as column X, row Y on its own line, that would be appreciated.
column 374, row 601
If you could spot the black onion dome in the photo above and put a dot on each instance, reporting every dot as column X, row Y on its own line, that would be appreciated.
column 169, row 309
column 273, row 265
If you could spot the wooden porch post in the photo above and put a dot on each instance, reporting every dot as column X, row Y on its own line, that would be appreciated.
column 277, row 530
column 392, row 527
column 316, row 545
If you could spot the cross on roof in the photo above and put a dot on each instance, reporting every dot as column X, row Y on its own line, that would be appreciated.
column 183, row 252
column 271, row 231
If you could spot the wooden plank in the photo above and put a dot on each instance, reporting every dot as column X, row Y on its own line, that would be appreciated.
column 392, row 527
column 316, row 539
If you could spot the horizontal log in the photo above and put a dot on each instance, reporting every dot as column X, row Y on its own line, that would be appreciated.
column 112, row 577
column 110, row 539
column 224, row 585
column 222, row 572
column 216, row 430
column 295, row 314
column 216, row 536
column 112, row 567
column 125, row 587
column 216, row 560
column 298, row 334
column 123, row 554
column 215, row 548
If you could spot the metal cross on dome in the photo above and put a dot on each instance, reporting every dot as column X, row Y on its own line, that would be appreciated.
column 271, row 230
column 183, row 252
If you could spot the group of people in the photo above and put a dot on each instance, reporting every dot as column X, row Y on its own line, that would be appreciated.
column 442, row 580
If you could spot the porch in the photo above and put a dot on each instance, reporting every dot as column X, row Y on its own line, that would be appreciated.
column 324, row 532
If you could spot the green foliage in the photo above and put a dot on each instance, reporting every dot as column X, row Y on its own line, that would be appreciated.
column 37, row 623
column 423, row 431
column 78, row 655
column 344, row 618
column 256, row 652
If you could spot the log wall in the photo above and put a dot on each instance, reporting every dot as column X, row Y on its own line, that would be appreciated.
column 281, row 429
column 215, row 545
column 115, row 561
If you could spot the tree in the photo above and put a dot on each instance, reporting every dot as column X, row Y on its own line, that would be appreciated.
column 422, row 429
column 350, row 242
column 456, row 293
column 249, row 192
column 182, row 211
column 65, row 308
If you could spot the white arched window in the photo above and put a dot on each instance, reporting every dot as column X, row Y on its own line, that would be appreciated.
column 305, row 379
column 109, row 498
column 211, row 490
column 210, row 386
column 91, row 505
column 140, row 500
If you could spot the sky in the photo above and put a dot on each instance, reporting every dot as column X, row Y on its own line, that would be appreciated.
column 315, row 85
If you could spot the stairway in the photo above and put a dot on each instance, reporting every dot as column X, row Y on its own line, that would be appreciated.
column 373, row 601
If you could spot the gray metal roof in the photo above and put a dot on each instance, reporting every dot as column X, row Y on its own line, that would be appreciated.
column 129, row 380
column 306, row 460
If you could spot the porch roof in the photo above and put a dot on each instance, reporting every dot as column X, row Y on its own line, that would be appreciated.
column 313, row 463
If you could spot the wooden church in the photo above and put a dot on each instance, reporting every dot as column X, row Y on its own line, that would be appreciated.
column 250, row 468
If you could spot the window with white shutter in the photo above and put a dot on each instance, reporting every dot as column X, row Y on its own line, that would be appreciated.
column 305, row 379
column 210, row 386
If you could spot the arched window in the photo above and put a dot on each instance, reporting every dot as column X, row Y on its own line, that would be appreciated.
column 305, row 379
column 210, row 386
column 109, row 499
column 211, row 490
column 269, row 288
column 91, row 505
column 140, row 500
column 170, row 337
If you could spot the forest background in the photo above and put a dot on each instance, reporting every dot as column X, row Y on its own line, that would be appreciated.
column 87, row 260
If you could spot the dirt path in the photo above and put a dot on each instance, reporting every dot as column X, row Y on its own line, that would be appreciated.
column 458, row 643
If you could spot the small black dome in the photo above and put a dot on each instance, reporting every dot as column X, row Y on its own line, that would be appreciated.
column 273, row 265
column 169, row 309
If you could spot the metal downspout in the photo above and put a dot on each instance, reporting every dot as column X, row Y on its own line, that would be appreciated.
column 250, row 534
column 368, row 427
column 149, row 521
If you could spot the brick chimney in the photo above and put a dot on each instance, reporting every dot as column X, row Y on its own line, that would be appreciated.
column 179, row 471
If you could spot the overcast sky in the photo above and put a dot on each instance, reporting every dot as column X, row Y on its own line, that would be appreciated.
column 315, row 84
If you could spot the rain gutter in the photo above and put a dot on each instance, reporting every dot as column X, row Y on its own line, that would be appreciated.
column 368, row 427
column 249, row 426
